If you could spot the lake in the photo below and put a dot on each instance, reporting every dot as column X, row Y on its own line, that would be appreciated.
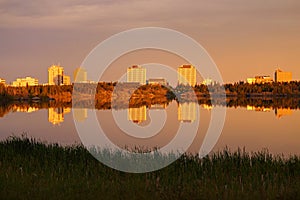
column 251, row 127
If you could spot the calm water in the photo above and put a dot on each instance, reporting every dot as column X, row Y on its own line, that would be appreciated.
column 252, row 128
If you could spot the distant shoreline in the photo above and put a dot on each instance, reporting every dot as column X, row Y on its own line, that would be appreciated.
column 110, row 90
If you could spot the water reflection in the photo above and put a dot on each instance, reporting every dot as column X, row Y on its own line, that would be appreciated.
column 56, row 115
column 280, row 112
column 187, row 112
column 258, row 108
column 137, row 115
column 80, row 114
column 271, row 117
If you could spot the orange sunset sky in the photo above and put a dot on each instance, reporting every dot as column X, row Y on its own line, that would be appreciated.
column 244, row 38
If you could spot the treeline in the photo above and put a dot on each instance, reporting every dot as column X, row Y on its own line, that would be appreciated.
column 267, row 89
column 130, row 90
column 8, row 93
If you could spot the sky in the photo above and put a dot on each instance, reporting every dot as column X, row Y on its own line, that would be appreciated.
column 244, row 38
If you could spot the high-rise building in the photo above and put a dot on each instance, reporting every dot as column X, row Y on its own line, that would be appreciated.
column 80, row 75
column 187, row 112
column 23, row 82
column 137, row 115
column 281, row 76
column 136, row 74
column 55, row 75
column 187, row 75
column 2, row 81
column 66, row 80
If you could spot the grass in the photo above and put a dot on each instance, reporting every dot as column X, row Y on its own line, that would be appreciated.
column 33, row 170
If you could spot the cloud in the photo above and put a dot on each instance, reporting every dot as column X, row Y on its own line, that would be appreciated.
column 203, row 14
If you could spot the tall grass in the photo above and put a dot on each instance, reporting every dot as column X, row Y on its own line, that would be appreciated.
column 33, row 170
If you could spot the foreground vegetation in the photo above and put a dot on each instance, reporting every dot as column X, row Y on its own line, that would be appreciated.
column 33, row 170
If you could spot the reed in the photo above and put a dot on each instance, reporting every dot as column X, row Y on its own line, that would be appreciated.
column 34, row 170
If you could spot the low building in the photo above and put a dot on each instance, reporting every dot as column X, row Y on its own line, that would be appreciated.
column 281, row 76
column 260, row 79
column 158, row 81
column 263, row 79
column 2, row 81
column 67, row 80
column 27, row 81
column 251, row 80
column 207, row 81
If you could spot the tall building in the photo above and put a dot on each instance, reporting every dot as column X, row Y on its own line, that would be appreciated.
column 66, row 80
column 2, row 81
column 187, row 75
column 187, row 112
column 137, row 115
column 23, row 82
column 55, row 75
column 136, row 74
column 80, row 75
column 281, row 76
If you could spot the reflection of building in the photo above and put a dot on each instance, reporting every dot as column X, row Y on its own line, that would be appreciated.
column 159, row 81
column 207, row 107
column 260, row 79
column 2, row 81
column 158, row 106
column 187, row 75
column 55, row 75
column 56, row 115
column 136, row 74
column 67, row 80
column 137, row 115
column 24, row 109
column 80, row 75
column 80, row 114
column 261, row 109
column 281, row 76
column 280, row 112
column 23, row 82
column 187, row 112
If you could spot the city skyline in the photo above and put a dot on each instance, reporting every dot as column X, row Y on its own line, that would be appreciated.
column 186, row 74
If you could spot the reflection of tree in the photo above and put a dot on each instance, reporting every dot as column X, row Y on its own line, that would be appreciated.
column 105, row 95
